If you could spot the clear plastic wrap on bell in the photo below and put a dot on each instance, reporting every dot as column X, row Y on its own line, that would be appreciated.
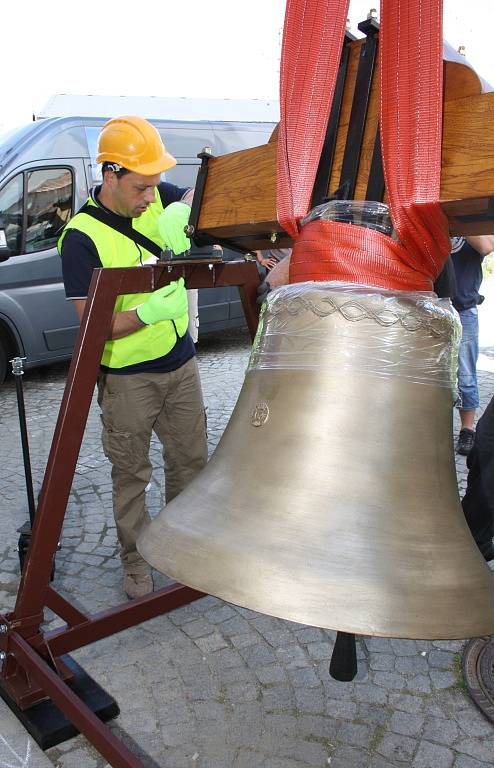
column 350, row 327
column 363, row 213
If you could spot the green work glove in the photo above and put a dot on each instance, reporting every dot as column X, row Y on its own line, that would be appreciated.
column 171, row 225
column 166, row 303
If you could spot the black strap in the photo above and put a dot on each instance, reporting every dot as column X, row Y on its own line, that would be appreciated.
column 117, row 222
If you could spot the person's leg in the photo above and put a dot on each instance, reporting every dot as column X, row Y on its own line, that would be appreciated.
column 467, row 379
column 478, row 501
column 181, row 428
column 128, row 409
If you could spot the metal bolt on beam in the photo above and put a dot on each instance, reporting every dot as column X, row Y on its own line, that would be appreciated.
column 3, row 629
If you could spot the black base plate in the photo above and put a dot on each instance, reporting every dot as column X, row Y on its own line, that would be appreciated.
column 47, row 724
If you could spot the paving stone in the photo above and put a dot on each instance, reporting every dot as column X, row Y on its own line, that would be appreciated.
column 219, row 614
column 292, row 656
column 310, row 700
column 419, row 684
column 277, row 697
column 336, row 689
column 372, row 713
column 315, row 726
column 449, row 645
column 197, row 628
column 442, row 679
column 230, row 675
column 371, row 694
column 379, row 645
column 320, row 651
column 384, row 662
column 273, row 673
column 248, row 759
column 346, row 710
column 242, row 641
column 376, row 761
column 279, row 637
column 407, row 724
column 404, row 647
column 471, row 725
column 416, row 665
column 406, row 702
column 348, row 757
column 303, row 676
column 211, row 642
column 390, row 680
column 433, row 756
column 470, row 762
column 397, row 747
column 356, row 734
column 441, row 659
column 481, row 750
column 225, row 658
column 441, row 730
column 309, row 635
column 259, row 655
column 77, row 759
column 240, row 692
column 281, row 723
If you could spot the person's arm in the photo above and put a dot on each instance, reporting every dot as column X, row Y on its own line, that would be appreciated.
column 268, row 262
column 166, row 303
column 483, row 244
column 122, row 323
column 279, row 275
column 188, row 197
column 170, row 193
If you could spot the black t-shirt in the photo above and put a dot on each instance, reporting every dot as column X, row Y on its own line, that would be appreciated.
column 445, row 283
column 80, row 257
column 468, row 270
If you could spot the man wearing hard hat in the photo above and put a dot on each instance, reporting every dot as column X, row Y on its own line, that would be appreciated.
column 149, row 379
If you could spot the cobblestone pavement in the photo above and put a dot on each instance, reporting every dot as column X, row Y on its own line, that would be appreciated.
column 211, row 685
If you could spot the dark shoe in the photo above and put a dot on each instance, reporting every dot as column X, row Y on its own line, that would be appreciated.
column 487, row 550
column 137, row 585
column 465, row 442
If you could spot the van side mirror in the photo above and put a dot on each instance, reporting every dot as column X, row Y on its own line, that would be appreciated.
column 5, row 252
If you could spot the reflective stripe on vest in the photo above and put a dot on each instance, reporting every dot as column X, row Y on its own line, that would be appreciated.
column 116, row 250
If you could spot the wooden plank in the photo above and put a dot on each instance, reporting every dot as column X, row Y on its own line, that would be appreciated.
column 239, row 202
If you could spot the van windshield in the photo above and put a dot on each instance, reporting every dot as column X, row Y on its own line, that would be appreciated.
column 11, row 138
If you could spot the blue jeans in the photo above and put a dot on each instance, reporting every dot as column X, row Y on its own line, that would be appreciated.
column 467, row 360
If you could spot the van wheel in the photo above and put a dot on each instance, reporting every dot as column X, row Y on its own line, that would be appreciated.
column 3, row 360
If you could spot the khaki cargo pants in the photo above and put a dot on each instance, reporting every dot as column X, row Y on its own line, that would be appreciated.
column 132, row 407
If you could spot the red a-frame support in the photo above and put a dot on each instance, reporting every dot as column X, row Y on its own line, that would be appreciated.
column 31, row 667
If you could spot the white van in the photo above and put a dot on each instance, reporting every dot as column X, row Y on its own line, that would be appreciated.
column 46, row 170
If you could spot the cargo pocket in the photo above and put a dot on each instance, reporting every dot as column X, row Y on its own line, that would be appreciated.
column 117, row 447
column 117, row 443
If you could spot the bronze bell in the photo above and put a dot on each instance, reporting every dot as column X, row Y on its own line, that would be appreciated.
column 332, row 499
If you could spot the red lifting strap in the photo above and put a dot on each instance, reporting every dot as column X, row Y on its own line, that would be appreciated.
column 411, row 129
column 310, row 56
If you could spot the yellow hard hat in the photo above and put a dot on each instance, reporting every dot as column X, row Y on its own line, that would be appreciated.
column 134, row 144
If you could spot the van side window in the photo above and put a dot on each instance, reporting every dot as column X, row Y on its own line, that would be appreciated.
column 48, row 207
column 11, row 214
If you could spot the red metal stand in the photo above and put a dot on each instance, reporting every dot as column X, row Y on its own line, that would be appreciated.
column 32, row 669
